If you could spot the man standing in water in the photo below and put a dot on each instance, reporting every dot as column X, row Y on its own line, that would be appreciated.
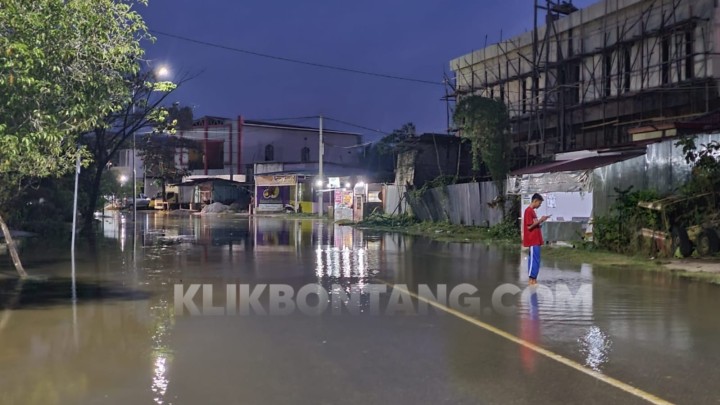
column 532, row 236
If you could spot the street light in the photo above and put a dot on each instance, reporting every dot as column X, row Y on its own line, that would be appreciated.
column 160, row 71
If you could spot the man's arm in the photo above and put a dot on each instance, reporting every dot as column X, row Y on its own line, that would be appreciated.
column 537, row 222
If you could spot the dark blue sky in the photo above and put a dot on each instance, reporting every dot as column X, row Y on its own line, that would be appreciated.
column 410, row 38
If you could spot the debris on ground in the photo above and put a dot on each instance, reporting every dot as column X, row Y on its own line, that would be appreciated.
column 237, row 207
column 215, row 208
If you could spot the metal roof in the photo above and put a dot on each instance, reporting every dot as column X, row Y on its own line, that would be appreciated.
column 587, row 163
column 196, row 182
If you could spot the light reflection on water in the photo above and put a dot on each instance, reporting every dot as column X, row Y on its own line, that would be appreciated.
column 592, row 326
column 595, row 345
column 161, row 353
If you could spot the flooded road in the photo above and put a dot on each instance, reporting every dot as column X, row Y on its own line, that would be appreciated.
column 200, row 310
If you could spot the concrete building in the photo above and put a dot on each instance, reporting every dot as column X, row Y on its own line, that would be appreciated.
column 231, row 147
column 583, row 78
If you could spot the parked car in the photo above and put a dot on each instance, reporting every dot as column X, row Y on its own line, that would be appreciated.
column 141, row 202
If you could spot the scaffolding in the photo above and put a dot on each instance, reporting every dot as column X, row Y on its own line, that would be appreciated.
column 582, row 78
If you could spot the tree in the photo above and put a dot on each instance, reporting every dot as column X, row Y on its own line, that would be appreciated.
column 144, row 111
column 158, row 152
column 62, row 64
column 484, row 122
column 381, row 156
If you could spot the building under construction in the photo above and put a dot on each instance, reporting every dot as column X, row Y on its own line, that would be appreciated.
column 584, row 79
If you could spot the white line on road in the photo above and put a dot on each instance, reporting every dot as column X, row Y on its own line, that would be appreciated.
column 547, row 353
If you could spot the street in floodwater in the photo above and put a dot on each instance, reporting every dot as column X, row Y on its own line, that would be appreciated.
column 124, row 341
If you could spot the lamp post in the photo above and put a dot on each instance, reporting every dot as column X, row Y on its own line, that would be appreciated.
column 133, row 164
column 321, row 152
column 161, row 71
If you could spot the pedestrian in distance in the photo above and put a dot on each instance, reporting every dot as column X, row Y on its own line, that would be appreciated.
column 532, row 236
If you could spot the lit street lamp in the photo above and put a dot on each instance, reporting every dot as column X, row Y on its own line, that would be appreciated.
column 160, row 72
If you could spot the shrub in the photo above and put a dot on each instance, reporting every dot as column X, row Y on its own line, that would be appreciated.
column 618, row 231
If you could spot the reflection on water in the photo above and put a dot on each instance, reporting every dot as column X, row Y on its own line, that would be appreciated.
column 530, row 329
column 161, row 352
column 130, row 346
column 595, row 345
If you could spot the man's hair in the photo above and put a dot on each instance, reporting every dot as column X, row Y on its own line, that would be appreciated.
column 537, row 196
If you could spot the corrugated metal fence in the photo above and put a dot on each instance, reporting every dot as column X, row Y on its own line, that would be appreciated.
column 394, row 201
column 662, row 168
column 460, row 204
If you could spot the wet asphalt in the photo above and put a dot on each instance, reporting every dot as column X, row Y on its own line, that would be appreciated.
column 127, row 330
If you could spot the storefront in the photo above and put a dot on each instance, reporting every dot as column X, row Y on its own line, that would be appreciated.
column 273, row 193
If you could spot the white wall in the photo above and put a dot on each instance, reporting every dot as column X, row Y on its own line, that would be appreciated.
column 562, row 206
column 287, row 145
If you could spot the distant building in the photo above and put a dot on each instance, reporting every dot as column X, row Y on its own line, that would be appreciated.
column 426, row 157
column 587, row 77
column 230, row 148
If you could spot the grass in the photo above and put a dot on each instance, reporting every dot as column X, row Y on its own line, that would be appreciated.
column 446, row 232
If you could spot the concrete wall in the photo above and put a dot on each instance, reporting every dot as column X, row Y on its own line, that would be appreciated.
column 287, row 145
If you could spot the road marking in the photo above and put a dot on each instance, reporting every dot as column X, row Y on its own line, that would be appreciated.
column 547, row 353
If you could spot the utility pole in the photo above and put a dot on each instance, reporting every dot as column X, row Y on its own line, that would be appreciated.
column 134, row 182
column 133, row 161
column 321, row 152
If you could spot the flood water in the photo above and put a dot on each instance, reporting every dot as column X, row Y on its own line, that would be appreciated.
column 120, row 332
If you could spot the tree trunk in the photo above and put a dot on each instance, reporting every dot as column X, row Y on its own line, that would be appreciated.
column 12, row 248
column 93, row 198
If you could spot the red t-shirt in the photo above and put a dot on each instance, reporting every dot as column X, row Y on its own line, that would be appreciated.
column 531, row 237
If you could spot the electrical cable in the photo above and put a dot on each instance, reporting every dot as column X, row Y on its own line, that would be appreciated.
column 302, row 62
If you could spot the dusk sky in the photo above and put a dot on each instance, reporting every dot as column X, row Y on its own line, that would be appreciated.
column 414, row 39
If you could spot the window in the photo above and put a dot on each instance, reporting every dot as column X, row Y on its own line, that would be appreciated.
column 305, row 154
column 607, row 71
column 196, row 160
column 665, row 54
column 523, row 92
column 215, row 155
column 689, row 57
column 269, row 153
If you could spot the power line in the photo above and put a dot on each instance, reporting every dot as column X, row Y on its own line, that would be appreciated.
column 358, row 126
column 283, row 119
column 302, row 62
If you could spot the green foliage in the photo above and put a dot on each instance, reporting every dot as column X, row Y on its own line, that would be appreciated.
column 484, row 122
column 158, row 153
column 440, row 181
column 61, row 65
column 43, row 207
column 381, row 157
column 390, row 143
column 384, row 220
column 705, row 164
column 506, row 230
column 617, row 231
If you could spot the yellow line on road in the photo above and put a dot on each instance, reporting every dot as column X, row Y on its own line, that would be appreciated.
column 547, row 353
